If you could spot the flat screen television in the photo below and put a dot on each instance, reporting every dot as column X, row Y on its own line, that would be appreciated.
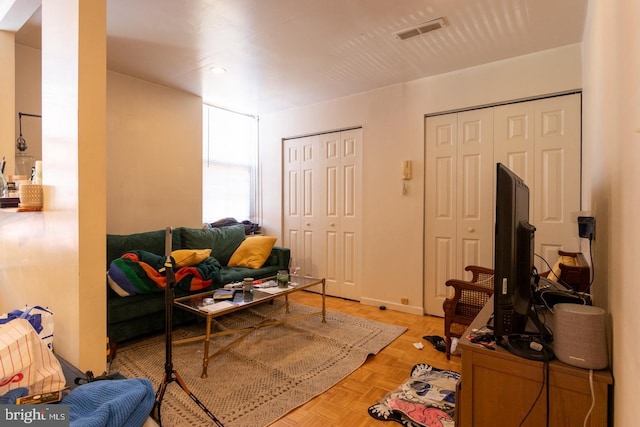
column 514, row 280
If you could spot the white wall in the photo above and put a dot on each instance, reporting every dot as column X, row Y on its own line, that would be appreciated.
column 611, row 132
column 52, row 258
column 30, row 100
column 154, row 147
column 392, row 119
column 154, row 152
column 393, row 130
column 153, row 179
column 7, row 101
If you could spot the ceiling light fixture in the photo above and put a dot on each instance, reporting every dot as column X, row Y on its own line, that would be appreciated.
column 426, row 27
column 218, row 70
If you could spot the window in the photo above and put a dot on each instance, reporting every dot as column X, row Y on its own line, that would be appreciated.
column 229, row 159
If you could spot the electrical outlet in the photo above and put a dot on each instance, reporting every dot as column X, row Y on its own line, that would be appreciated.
column 587, row 227
column 404, row 301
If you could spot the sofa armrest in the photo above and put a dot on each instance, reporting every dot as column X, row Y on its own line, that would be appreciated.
column 279, row 257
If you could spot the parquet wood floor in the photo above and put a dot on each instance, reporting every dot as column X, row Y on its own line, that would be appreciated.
column 346, row 403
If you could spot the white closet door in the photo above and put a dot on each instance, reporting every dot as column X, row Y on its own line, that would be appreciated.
column 311, row 192
column 514, row 139
column 327, row 187
column 329, row 192
column 291, row 204
column 557, row 177
column 540, row 141
column 440, row 208
column 300, row 204
column 338, row 227
column 474, row 219
column 459, row 199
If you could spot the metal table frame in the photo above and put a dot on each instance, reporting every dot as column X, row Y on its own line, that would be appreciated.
column 195, row 304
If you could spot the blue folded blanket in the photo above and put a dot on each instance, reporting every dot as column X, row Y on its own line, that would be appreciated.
column 113, row 403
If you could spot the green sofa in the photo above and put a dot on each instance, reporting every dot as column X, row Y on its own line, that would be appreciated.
column 137, row 315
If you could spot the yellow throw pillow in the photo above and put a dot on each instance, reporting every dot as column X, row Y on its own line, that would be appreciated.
column 252, row 252
column 189, row 257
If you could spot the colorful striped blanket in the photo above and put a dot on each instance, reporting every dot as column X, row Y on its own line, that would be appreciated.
column 141, row 272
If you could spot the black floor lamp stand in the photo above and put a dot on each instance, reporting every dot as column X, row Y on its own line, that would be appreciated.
column 170, row 374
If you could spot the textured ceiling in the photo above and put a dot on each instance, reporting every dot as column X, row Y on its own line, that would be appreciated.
column 283, row 54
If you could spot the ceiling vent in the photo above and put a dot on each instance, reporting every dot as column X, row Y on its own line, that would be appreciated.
column 426, row 27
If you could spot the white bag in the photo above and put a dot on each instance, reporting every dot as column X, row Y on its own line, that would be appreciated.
column 46, row 333
column 27, row 361
column 40, row 318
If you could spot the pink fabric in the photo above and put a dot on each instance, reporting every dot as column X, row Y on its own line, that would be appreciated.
column 431, row 417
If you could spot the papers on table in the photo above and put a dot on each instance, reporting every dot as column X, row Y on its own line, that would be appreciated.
column 218, row 306
column 275, row 290
column 267, row 284
column 223, row 305
column 223, row 294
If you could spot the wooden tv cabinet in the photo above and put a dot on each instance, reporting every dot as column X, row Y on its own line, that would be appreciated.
column 498, row 388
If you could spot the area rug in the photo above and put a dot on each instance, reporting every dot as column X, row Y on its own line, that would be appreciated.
column 426, row 398
column 263, row 377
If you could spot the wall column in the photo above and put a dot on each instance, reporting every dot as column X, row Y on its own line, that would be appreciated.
column 74, row 173
column 7, row 100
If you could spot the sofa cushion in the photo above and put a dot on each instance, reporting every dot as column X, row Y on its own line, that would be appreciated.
column 189, row 257
column 150, row 241
column 238, row 274
column 222, row 241
column 252, row 252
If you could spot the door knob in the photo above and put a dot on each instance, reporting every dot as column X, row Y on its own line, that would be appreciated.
column 471, row 229
column 332, row 224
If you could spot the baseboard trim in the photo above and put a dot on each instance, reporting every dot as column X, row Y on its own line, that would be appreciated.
column 412, row 309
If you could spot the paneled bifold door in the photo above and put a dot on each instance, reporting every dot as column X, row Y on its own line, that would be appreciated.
column 459, row 200
column 322, row 208
column 540, row 141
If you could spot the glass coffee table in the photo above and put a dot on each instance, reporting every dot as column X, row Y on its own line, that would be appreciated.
column 202, row 305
